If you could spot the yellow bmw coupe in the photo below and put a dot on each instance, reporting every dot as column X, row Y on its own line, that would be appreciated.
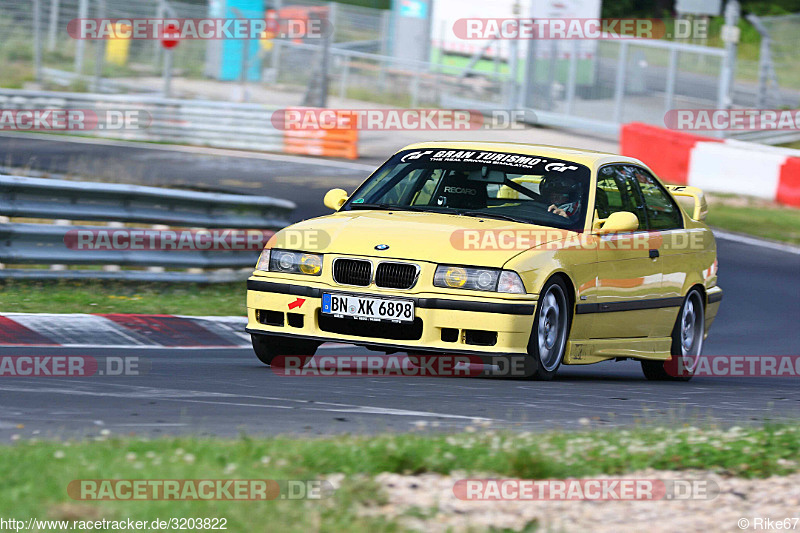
column 554, row 255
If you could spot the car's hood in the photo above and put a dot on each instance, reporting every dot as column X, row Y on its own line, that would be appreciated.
column 433, row 237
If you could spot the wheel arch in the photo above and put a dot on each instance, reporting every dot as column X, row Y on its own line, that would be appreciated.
column 701, row 289
column 571, row 294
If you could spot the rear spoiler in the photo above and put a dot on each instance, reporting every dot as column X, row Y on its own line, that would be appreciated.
column 700, row 205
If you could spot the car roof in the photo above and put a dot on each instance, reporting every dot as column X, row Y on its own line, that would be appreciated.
column 590, row 158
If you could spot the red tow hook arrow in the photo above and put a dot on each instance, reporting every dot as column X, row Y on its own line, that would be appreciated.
column 297, row 303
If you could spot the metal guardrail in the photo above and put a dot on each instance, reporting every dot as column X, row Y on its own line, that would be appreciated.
column 196, row 122
column 25, row 243
column 200, row 122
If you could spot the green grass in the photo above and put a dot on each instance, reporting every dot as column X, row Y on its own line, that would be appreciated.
column 98, row 296
column 36, row 474
column 755, row 217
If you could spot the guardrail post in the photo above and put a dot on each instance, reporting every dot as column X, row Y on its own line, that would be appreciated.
column 672, row 69
column 4, row 220
column 730, row 35
column 80, row 45
column 513, row 68
column 167, row 74
column 572, row 74
column 100, row 51
column 37, row 39
column 415, row 87
column 113, row 268
column 158, row 50
column 277, row 46
column 766, row 69
column 60, row 222
column 343, row 78
column 158, row 269
column 619, row 88
column 53, row 29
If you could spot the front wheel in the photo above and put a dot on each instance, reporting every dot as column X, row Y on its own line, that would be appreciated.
column 687, row 343
column 269, row 347
column 550, row 330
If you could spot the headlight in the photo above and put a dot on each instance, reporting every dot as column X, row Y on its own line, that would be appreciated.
column 478, row 279
column 290, row 262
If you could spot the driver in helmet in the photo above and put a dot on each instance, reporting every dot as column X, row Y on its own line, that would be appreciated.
column 562, row 193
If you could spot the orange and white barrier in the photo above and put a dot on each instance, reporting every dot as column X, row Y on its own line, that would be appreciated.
column 714, row 165
column 326, row 142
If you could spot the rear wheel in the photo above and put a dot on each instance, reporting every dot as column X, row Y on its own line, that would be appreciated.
column 687, row 343
column 550, row 330
column 268, row 347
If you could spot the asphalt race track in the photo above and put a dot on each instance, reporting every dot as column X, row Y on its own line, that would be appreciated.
column 225, row 392
column 304, row 180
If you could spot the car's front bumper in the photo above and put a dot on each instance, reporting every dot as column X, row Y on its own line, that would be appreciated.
column 503, row 324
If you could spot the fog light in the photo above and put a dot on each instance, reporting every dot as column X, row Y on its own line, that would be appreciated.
column 310, row 264
column 455, row 277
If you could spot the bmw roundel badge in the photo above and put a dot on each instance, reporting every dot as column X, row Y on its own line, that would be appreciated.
column 382, row 247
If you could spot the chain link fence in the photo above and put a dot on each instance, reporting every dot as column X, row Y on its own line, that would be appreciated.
column 615, row 82
column 386, row 80
column 82, row 64
column 778, row 68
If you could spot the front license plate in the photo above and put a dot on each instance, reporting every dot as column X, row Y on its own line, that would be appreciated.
column 367, row 308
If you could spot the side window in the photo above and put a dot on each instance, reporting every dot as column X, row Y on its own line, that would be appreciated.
column 662, row 212
column 616, row 191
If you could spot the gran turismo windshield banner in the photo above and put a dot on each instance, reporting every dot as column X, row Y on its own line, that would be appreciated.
column 524, row 188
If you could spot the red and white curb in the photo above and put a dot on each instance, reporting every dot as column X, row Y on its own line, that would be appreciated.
column 729, row 166
column 122, row 331
column 78, row 330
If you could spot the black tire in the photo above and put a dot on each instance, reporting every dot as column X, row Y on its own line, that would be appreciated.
column 679, row 368
column 550, row 331
column 268, row 347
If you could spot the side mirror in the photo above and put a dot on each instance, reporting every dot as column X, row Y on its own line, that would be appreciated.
column 619, row 222
column 335, row 199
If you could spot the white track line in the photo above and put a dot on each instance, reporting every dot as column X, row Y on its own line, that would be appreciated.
column 754, row 241
column 244, row 400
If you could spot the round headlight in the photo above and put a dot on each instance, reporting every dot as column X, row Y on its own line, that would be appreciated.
column 455, row 277
column 485, row 280
column 286, row 261
column 310, row 264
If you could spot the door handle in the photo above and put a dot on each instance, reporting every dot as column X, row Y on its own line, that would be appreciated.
column 654, row 254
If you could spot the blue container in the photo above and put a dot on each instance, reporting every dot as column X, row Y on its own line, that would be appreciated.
column 225, row 57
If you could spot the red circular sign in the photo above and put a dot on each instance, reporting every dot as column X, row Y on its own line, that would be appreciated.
column 170, row 37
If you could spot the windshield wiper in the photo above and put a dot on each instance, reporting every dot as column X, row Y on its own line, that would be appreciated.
column 490, row 215
column 387, row 207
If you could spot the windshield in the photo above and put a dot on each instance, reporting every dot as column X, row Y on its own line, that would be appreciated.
column 506, row 186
